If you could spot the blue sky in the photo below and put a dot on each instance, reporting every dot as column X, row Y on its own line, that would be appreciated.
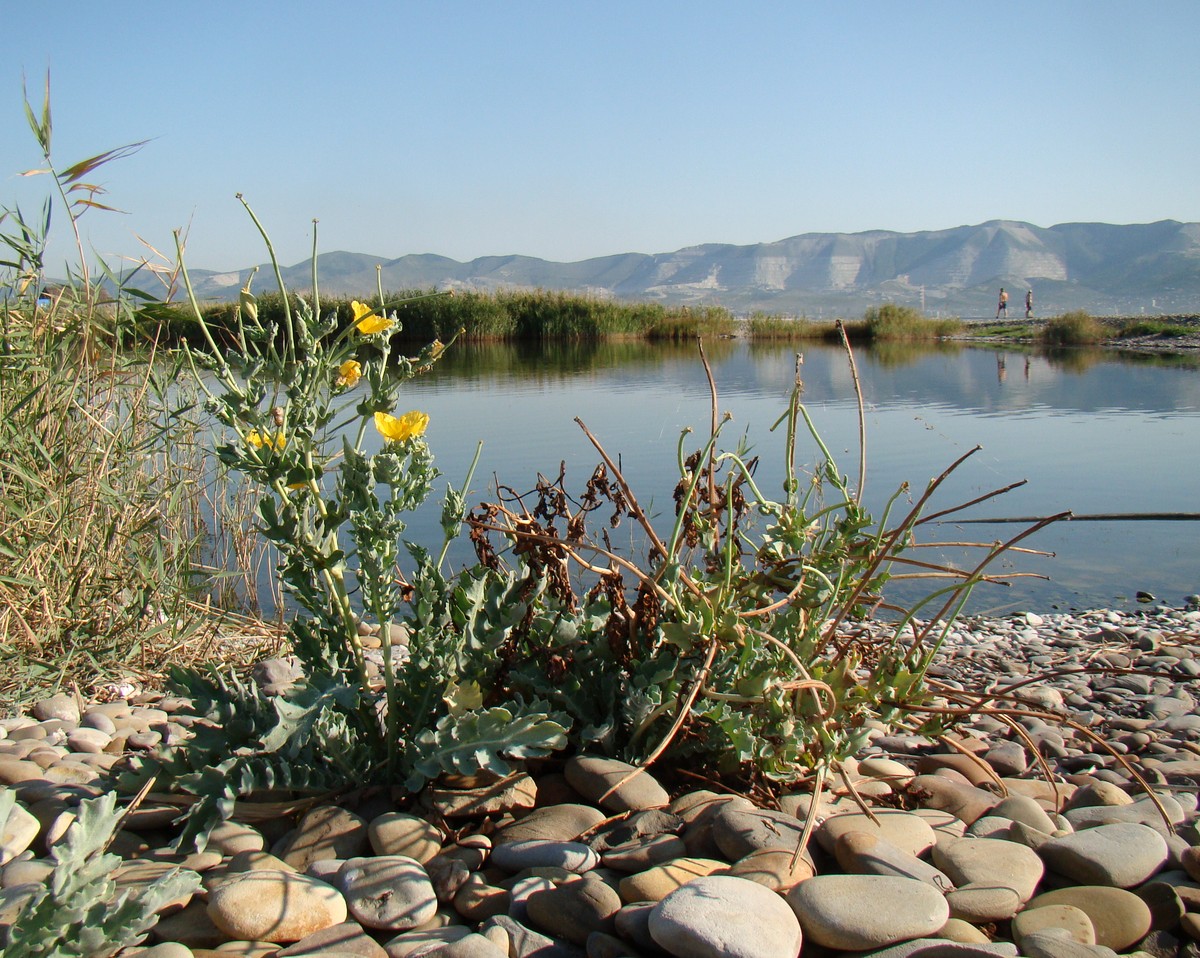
column 568, row 129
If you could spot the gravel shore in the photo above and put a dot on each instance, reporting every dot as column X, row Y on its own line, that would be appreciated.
column 969, row 849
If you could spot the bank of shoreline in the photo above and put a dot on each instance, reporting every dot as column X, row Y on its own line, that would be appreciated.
column 1083, row 710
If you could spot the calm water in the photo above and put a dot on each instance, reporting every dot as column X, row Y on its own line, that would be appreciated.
column 1094, row 433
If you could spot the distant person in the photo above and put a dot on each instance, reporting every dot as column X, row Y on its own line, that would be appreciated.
column 44, row 300
column 1002, row 306
column 1029, row 304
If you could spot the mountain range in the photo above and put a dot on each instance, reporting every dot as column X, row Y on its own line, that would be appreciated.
column 1107, row 269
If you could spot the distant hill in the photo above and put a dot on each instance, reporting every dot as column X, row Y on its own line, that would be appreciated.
column 1103, row 268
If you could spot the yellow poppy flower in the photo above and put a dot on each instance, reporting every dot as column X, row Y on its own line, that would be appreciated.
column 349, row 373
column 366, row 321
column 259, row 439
column 400, row 428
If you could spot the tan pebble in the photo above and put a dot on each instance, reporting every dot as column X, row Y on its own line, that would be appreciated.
column 251, row 860
column 1119, row 917
column 906, row 831
column 398, row 833
column 478, row 901
column 963, row 932
column 87, row 740
column 974, row 771
column 230, row 838
column 165, row 949
column 17, row 833
column 13, row 771
column 45, row 758
column 72, row 773
column 277, row 906
column 983, row 902
column 326, row 831
column 885, row 768
column 772, row 867
column 656, row 883
column 1190, row 923
column 1190, row 859
column 516, row 792
column 961, row 800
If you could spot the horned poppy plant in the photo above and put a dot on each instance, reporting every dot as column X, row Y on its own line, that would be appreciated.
column 399, row 428
column 349, row 373
column 366, row 321
column 275, row 441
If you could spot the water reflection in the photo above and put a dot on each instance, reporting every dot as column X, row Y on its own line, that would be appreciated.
column 1098, row 432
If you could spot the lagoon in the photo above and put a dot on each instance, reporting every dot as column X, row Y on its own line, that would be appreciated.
column 1094, row 432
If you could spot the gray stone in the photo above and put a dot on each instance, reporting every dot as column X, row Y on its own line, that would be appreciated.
column 534, row 853
column 946, row 948
column 740, row 831
column 862, row 853
column 864, row 912
column 723, row 917
column 574, row 909
column 1122, row 854
column 901, row 829
column 1074, row 921
column 388, row 892
column 614, row 785
column 1055, row 943
column 990, row 861
column 561, row 823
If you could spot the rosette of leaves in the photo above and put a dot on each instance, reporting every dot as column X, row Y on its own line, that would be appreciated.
column 79, row 910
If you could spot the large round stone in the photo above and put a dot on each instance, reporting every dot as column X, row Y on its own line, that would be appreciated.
column 1123, row 854
column 274, row 906
column 865, row 912
column 990, row 861
column 1119, row 917
column 388, row 892
column 723, row 917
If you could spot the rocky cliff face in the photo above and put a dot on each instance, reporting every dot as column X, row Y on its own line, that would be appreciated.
column 1100, row 267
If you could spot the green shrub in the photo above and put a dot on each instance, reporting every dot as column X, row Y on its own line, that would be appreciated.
column 894, row 322
column 1076, row 328
column 766, row 328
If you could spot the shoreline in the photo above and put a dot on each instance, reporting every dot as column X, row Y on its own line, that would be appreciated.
column 1087, row 696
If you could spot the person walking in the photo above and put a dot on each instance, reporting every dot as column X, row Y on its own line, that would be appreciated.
column 1029, row 304
column 1002, row 306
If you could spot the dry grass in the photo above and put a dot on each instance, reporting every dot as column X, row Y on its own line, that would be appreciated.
column 111, row 526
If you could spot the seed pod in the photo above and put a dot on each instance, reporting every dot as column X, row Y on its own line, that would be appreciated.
column 248, row 304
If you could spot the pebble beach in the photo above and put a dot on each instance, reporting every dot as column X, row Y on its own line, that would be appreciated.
column 1024, row 833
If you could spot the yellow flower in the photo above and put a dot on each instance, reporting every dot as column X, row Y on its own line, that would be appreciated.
column 397, row 429
column 366, row 321
column 259, row 439
column 349, row 373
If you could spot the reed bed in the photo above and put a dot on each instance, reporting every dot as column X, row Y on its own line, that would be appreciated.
column 524, row 315
column 886, row 323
